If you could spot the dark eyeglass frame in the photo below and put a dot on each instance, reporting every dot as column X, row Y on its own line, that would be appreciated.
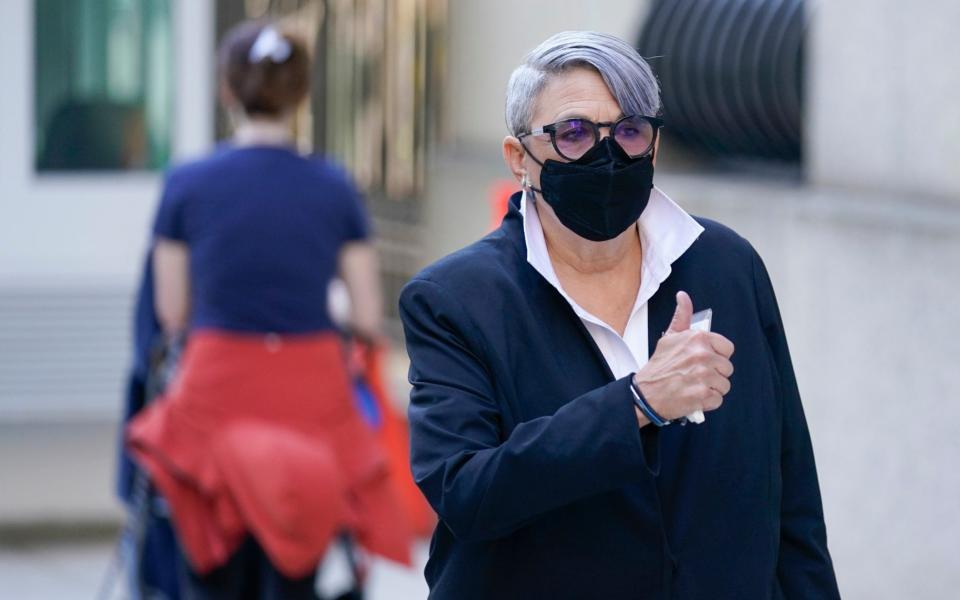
column 551, row 129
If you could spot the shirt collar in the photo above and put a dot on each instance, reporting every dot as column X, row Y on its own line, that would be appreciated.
column 666, row 232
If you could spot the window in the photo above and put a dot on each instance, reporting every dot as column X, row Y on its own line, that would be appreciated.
column 103, row 84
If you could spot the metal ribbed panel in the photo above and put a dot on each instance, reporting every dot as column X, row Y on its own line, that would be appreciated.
column 731, row 72
column 63, row 351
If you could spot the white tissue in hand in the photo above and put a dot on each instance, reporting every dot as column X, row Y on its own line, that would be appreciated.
column 700, row 321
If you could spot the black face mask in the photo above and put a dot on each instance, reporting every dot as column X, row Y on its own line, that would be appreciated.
column 599, row 195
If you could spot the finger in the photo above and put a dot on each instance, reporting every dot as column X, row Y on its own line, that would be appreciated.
column 713, row 401
column 720, row 344
column 717, row 382
column 722, row 366
column 682, row 315
column 722, row 386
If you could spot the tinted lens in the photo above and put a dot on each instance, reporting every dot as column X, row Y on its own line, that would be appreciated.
column 574, row 138
column 635, row 135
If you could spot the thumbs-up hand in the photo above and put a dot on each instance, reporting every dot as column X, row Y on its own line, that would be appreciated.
column 682, row 315
column 689, row 370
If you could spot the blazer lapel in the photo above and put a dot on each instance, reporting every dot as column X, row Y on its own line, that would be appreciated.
column 543, row 295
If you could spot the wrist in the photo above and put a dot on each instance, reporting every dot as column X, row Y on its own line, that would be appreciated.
column 642, row 420
column 644, row 407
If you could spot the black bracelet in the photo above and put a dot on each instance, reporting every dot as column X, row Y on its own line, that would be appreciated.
column 645, row 407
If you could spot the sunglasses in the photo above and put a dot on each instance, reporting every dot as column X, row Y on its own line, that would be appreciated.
column 572, row 138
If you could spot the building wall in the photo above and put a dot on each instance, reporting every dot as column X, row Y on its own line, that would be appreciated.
column 83, row 226
column 71, row 245
column 71, row 248
column 883, row 94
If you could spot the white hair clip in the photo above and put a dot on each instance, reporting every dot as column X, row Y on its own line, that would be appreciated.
column 270, row 44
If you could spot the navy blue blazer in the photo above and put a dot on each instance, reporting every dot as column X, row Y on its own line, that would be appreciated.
column 530, row 453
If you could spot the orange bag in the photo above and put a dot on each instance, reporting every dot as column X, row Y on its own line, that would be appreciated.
column 394, row 437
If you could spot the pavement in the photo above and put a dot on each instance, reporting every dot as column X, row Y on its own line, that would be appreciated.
column 74, row 570
column 62, row 570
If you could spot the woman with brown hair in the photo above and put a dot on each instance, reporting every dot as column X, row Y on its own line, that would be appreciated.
column 257, row 446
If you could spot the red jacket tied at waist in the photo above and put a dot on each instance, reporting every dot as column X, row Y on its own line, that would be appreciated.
column 259, row 435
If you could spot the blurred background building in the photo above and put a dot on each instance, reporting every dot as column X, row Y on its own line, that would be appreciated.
column 825, row 132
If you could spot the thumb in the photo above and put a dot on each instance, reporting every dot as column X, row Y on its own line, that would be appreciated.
column 683, row 314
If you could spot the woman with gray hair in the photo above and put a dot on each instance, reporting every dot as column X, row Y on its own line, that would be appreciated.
column 560, row 377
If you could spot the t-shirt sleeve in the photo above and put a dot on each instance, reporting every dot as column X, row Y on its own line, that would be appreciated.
column 169, row 221
column 356, row 222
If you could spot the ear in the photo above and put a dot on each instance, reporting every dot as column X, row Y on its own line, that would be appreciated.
column 656, row 150
column 513, row 154
column 227, row 98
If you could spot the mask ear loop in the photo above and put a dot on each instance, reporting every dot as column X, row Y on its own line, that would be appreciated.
column 527, row 150
column 526, row 184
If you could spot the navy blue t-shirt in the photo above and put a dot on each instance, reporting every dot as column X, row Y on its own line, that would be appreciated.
column 264, row 226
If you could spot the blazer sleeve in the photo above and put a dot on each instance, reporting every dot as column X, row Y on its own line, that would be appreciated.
column 804, row 567
column 483, row 483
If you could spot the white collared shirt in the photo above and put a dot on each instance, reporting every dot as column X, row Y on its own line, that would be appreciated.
column 666, row 231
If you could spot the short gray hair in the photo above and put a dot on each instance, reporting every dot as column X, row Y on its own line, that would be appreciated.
column 627, row 75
